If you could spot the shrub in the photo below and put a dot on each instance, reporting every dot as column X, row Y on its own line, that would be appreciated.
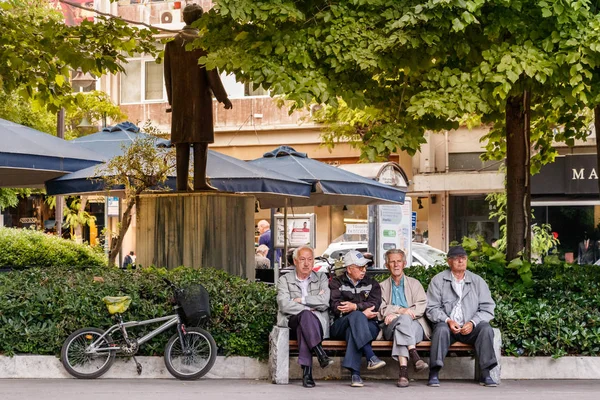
column 22, row 248
column 39, row 307
column 557, row 313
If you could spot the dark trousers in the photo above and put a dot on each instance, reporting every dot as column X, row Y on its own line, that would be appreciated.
column 481, row 337
column 306, row 328
column 182, row 152
column 359, row 332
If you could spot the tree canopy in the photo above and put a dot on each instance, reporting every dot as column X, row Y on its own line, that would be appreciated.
column 417, row 64
column 525, row 67
column 38, row 51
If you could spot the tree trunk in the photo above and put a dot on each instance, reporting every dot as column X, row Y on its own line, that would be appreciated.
column 518, row 193
column 597, row 129
column 117, row 242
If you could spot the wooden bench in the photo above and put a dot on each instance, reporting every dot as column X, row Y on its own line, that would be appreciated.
column 280, row 346
column 382, row 345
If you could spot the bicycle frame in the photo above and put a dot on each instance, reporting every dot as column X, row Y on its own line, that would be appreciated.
column 171, row 320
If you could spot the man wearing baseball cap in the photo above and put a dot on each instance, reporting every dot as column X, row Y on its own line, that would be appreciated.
column 460, row 308
column 355, row 301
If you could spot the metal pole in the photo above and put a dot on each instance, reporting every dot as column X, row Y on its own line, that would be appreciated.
column 285, row 234
column 106, row 228
column 59, row 205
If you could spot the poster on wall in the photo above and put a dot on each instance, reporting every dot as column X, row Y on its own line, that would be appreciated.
column 300, row 230
column 394, row 230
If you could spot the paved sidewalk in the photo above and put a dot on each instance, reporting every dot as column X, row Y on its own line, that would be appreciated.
column 160, row 389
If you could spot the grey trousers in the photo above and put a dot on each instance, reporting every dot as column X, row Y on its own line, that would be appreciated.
column 482, row 338
column 405, row 332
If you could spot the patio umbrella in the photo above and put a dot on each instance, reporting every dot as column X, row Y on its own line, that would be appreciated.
column 228, row 174
column 29, row 157
column 330, row 185
column 109, row 142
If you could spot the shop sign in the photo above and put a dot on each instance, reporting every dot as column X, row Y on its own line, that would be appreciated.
column 572, row 174
column 112, row 206
column 357, row 229
column 28, row 220
column 394, row 229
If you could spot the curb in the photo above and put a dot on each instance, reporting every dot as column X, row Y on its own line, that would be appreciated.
column 523, row 368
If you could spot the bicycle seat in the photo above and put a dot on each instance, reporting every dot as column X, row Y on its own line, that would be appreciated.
column 117, row 305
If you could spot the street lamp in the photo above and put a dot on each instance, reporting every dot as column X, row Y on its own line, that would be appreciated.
column 82, row 80
column 79, row 81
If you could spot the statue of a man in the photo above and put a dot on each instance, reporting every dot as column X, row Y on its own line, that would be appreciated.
column 189, row 91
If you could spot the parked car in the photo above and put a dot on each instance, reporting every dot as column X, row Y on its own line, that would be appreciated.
column 422, row 254
column 427, row 256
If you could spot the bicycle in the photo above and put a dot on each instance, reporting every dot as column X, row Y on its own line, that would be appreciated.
column 190, row 353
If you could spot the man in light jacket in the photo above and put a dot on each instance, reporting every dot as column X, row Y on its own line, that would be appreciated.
column 460, row 307
column 402, row 311
column 303, row 301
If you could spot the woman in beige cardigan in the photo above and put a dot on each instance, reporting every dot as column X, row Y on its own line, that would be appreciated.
column 403, row 303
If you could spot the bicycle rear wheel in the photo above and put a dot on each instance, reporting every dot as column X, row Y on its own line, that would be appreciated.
column 80, row 360
column 193, row 358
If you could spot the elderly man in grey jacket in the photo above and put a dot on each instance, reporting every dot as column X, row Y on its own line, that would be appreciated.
column 460, row 307
column 303, row 301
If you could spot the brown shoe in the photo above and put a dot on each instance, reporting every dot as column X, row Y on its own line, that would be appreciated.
column 420, row 365
column 403, row 378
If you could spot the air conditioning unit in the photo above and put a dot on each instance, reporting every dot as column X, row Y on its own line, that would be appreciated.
column 427, row 156
column 170, row 17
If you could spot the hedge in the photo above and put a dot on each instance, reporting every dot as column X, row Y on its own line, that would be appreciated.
column 23, row 248
column 40, row 307
column 557, row 314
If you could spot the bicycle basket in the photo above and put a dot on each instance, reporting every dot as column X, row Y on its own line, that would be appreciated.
column 195, row 303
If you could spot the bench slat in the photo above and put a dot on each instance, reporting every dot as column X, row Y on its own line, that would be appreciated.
column 383, row 345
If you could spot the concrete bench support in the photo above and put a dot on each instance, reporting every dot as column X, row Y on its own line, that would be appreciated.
column 279, row 355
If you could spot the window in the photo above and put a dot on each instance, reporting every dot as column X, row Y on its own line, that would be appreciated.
column 236, row 90
column 259, row 91
column 142, row 81
column 471, row 162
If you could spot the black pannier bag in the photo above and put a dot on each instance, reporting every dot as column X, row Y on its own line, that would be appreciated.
column 195, row 304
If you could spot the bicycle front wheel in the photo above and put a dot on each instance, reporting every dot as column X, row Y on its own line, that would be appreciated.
column 193, row 358
column 81, row 360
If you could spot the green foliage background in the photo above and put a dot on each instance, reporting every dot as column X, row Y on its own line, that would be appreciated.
column 551, row 309
column 558, row 314
column 40, row 307
column 22, row 248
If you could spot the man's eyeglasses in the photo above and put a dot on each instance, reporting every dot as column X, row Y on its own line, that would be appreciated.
column 363, row 268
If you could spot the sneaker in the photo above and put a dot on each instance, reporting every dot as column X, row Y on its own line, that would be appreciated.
column 375, row 363
column 488, row 382
column 434, row 381
column 357, row 381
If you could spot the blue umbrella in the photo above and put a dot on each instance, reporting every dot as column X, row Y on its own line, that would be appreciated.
column 112, row 140
column 330, row 185
column 228, row 174
column 29, row 157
